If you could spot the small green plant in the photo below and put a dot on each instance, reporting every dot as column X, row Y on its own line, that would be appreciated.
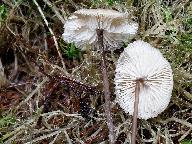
column 186, row 39
column 185, row 141
column 7, row 120
column 69, row 50
column 3, row 13
column 110, row 2
column 188, row 21
column 107, row 2
column 167, row 14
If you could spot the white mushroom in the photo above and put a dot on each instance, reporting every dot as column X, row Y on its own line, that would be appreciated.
column 140, row 61
column 81, row 28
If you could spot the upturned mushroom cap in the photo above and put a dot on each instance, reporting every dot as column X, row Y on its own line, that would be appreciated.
column 141, row 61
column 81, row 27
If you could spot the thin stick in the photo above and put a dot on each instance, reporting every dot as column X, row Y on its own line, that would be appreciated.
column 55, row 9
column 106, row 88
column 54, row 38
column 135, row 113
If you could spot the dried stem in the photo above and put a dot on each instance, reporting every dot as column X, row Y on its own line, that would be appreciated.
column 54, row 38
column 55, row 10
column 135, row 113
column 106, row 88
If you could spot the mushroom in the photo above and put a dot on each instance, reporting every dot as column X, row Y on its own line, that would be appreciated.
column 81, row 28
column 143, row 82
column 106, row 30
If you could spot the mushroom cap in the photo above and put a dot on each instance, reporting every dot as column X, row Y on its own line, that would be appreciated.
column 81, row 27
column 141, row 60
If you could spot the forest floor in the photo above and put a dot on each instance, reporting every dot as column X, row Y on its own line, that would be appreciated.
column 51, row 92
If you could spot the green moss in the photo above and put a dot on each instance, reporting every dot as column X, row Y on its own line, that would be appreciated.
column 3, row 13
column 167, row 14
column 186, row 142
column 7, row 120
column 188, row 21
column 106, row 2
column 186, row 39
column 69, row 50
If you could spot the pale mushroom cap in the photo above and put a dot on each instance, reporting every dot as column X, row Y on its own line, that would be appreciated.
column 100, row 12
column 81, row 27
column 141, row 60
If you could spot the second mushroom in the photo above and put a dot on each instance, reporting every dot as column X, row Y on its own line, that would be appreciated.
column 106, row 30
column 144, row 82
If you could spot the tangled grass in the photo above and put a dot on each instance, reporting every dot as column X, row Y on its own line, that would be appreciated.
column 51, row 92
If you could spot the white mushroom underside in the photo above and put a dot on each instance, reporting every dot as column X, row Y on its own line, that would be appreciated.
column 82, row 25
column 141, row 60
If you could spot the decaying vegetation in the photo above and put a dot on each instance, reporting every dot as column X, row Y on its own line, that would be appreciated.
column 50, row 92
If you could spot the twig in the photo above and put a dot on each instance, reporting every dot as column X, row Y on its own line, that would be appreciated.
column 183, row 122
column 44, row 137
column 185, row 134
column 53, row 141
column 45, row 41
column 67, row 136
column 95, row 133
column 107, row 107
column 55, row 113
column 167, row 137
column 17, row 130
column 11, row 13
column 54, row 8
column 32, row 93
column 54, row 38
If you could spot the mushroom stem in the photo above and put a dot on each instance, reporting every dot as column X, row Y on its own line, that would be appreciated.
column 106, row 88
column 135, row 113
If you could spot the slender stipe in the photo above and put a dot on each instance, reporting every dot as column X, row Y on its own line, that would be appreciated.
column 135, row 113
column 106, row 88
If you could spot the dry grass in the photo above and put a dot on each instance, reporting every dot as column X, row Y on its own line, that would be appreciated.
column 38, row 104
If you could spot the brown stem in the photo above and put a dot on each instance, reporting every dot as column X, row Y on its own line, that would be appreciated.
column 106, row 88
column 135, row 113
